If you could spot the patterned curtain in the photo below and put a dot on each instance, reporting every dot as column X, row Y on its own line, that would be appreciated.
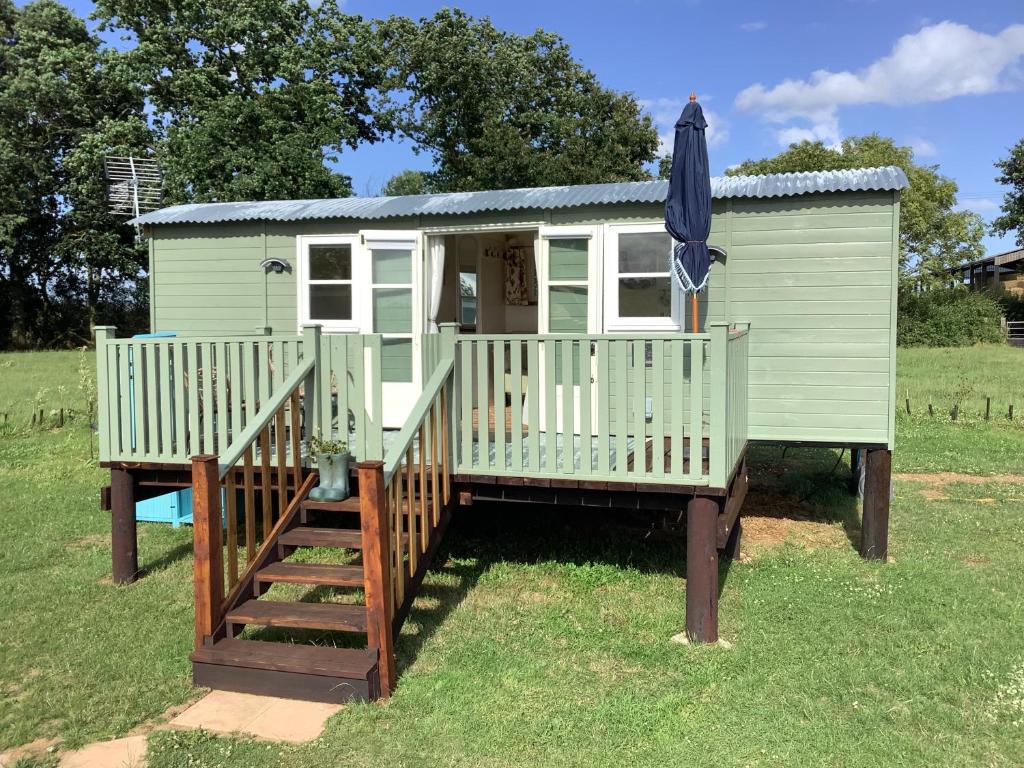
column 516, row 292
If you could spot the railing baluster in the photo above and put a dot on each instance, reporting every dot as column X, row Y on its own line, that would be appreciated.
column 434, row 497
column 677, row 377
column 268, row 519
column 533, row 395
column 231, row 512
column 296, row 429
column 410, row 510
column 658, row 410
column 482, row 405
column 165, row 449
column 550, row 409
column 603, row 407
column 139, row 394
column 282, row 460
column 498, row 398
column 586, row 424
column 696, row 407
column 236, row 391
column 621, row 405
column 516, row 397
column 445, row 448
column 249, row 497
column 221, row 411
column 568, row 406
column 423, row 445
column 465, row 348
column 639, row 350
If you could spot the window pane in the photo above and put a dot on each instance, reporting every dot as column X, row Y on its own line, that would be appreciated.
column 392, row 310
column 392, row 266
column 396, row 360
column 568, row 259
column 567, row 312
column 330, row 262
column 330, row 302
column 644, row 252
column 645, row 297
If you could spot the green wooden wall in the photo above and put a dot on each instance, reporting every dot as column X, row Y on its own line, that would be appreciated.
column 815, row 275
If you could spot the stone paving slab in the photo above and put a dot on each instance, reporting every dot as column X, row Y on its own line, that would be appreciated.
column 262, row 717
column 129, row 752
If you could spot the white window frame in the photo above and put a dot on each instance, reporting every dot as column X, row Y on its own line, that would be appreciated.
column 303, row 243
column 400, row 241
column 613, row 322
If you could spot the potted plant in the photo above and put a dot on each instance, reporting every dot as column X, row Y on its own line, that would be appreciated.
column 332, row 459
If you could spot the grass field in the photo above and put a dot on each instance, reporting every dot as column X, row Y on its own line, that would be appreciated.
column 542, row 638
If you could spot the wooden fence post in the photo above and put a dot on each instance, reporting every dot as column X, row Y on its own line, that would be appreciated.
column 376, row 542
column 311, row 338
column 717, row 432
column 123, row 539
column 208, row 557
column 874, row 543
column 702, row 570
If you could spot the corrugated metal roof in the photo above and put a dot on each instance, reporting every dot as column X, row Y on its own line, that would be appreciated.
column 539, row 198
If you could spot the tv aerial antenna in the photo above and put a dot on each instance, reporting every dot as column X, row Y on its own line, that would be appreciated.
column 134, row 184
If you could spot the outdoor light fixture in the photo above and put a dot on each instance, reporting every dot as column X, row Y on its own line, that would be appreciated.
column 717, row 252
column 277, row 265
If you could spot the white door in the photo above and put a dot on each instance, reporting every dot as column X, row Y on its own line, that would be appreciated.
column 569, row 302
column 392, row 263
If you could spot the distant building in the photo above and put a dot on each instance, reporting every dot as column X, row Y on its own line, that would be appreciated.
column 1006, row 269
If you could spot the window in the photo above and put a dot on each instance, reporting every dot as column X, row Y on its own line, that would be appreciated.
column 640, row 291
column 329, row 287
column 567, row 285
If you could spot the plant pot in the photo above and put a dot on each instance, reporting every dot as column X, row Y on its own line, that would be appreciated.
column 340, row 485
column 326, row 469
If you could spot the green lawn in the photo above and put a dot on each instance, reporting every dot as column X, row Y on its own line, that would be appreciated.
column 543, row 636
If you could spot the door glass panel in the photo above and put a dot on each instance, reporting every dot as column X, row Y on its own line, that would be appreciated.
column 644, row 251
column 467, row 300
column 331, row 301
column 567, row 311
column 392, row 310
column 645, row 296
column 568, row 259
column 330, row 262
column 392, row 266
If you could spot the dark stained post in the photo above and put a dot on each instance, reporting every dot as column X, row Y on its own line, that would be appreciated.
column 208, row 563
column 377, row 569
column 123, row 540
column 856, row 460
column 874, row 543
column 702, row 570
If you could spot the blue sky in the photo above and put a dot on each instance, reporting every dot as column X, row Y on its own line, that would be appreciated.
column 944, row 77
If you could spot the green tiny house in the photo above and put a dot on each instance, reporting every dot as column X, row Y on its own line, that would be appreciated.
column 524, row 345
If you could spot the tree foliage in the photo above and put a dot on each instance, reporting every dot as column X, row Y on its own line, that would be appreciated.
column 253, row 99
column 1011, row 174
column 64, row 103
column 497, row 110
column 933, row 234
column 407, row 183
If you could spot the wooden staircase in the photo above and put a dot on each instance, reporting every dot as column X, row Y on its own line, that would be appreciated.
column 291, row 669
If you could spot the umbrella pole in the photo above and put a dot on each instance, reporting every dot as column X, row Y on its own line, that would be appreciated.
column 694, row 312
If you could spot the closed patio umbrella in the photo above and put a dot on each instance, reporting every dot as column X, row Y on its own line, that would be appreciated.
column 688, row 206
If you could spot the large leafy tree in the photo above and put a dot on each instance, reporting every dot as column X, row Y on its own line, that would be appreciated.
column 64, row 103
column 933, row 234
column 254, row 99
column 497, row 110
column 1012, row 174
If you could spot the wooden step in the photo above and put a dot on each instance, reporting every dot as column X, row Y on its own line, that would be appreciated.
column 312, row 673
column 320, row 574
column 322, row 537
column 351, row 504
column 336, row 617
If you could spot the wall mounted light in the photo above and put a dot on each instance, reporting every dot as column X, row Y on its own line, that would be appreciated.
column 276, row 265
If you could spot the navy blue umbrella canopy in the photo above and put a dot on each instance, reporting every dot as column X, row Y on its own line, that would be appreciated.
column 688, row 207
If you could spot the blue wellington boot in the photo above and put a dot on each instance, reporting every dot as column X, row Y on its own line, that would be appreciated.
column 325, row 468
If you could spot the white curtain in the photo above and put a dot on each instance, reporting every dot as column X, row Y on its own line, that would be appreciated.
column 435, row 246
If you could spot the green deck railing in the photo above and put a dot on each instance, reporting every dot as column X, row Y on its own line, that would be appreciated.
column 653, row 408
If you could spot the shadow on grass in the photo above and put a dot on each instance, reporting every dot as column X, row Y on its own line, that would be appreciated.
column 166, row 559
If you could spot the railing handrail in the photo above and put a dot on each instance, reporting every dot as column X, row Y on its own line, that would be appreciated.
column 621, row 336
column 415, row 418
column 268, row 411
column 240, row 338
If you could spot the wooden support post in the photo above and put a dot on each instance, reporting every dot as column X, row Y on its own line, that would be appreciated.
column 856, row 463
column 702, row 570
column 733, row 543
column 123, row 540
column 377, row 569
column 208, row 563
column 874, row 543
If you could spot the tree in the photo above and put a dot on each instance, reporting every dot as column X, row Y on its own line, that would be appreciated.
column 407, row 183
column 933, row 235
column 64, row 103
column 1012, row 175
column 253, row 98
column 497, row 110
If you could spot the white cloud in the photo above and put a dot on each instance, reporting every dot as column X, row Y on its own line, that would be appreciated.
column 938, row 62
column 665, row 112
column 753, row 26
column 922, row 147
column 983, row 206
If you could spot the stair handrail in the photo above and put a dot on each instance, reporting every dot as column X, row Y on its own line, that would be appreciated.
column 263, row 417
column 419, row 411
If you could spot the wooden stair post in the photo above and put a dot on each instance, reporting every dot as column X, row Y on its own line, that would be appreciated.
column 377, row 566
column 702, row 570
column 208, row 564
